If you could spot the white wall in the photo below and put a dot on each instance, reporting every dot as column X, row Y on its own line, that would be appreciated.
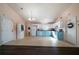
column 12, row 14
column 7, row 33
column 72, row 32
column 0, row 33
column 44, row 26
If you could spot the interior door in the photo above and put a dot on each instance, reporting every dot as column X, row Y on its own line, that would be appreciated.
column 71, row 30
column 7, row 33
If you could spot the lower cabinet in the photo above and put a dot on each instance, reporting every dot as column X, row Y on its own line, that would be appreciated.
column 58, row 35
column 44, row 33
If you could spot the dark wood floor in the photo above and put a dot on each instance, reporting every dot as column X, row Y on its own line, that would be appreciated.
column 37, row 50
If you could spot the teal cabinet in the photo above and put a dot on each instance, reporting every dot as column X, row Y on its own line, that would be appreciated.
column 60, row 35
column 44, row 33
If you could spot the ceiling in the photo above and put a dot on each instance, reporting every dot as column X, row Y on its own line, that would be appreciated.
column 40, row 12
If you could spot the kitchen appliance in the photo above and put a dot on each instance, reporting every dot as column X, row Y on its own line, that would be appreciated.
column 20, row 31
column 33, row 30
